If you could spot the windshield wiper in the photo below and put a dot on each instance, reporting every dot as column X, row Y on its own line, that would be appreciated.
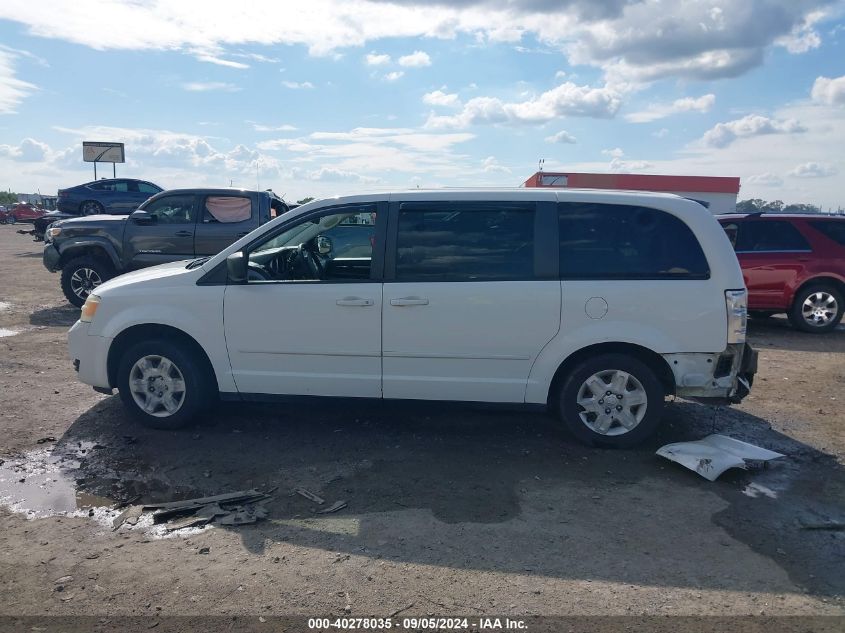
column 197, row 262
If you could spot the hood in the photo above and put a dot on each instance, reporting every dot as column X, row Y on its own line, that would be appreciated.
column 92, row 220
column 155, row 273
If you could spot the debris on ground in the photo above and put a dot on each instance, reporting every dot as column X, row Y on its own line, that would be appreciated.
column 715, row 454
column 44, row 440
column 337, row 505
column 310, row 496
column 233, row 508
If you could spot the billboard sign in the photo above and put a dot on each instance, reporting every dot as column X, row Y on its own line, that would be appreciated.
column 95, row 152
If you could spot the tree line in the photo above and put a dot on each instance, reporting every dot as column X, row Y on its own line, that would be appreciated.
column 756, row 205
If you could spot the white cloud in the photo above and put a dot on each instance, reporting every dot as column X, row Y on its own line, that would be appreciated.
column 12, row 90
column 693, row 40
column 492, row 165
column 29, row 150
column 258, row 127
column 375, row 59
column 566, row 99
column 723, row 134
column 663, row 110
column 813, row 170
column 219, row 61
column 829, row 91
column 661, row 133
column 440, row 98
column 766, row 179
column 328, row 174
column 393, row 76
column 207, row 86
column 417, row 59
column 617, row 164
column 616, row 152
column 561, row 137
column 298, row 85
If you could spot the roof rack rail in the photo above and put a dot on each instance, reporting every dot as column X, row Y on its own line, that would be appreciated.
column 755, row 214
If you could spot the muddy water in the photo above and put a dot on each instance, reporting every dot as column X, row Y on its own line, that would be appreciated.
column 43, row 482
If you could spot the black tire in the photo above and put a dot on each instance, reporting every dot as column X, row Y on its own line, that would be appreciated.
column 88, row 271
column 91, row 207
column 197, row 385
column 806, row 323
column 616, row 436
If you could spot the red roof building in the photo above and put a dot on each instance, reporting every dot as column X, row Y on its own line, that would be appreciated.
column 717, row 193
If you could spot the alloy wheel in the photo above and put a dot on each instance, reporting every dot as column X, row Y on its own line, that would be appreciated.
column 83, row 281
column 157, row 386
column 612, row 402
column 819, row 308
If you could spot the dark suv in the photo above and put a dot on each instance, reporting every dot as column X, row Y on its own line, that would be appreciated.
column 173, row 225
column 793, row 264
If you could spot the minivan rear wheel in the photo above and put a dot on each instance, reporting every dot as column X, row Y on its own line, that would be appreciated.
column 817, row 308
column 611, row 400
column 162, row 383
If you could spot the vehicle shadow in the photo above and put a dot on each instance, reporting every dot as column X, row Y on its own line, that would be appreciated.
column 62, row 316
column 776, row 332
column 489, row 490
column 28, row 255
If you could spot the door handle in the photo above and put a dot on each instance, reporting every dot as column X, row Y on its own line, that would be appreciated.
column 354, row 301
column 183, row 234
column 409, row 301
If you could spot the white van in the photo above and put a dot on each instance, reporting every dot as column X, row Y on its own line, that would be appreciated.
column 596, row 304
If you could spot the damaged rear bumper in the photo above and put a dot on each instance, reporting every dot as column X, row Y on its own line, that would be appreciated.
column 721, row 378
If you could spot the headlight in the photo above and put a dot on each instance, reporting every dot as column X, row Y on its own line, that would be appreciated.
column 736, row 303
column 90, row 308
column 54, row 231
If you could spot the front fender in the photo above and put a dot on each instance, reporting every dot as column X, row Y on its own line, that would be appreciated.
column 67, row 249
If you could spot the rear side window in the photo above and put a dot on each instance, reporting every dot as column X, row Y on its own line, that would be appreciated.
column 760, row 236
column 226, row 209
column 833, row 229
column 612, row 241
column 145, row 187
column 465, row 242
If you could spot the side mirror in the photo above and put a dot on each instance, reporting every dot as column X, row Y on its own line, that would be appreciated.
column 236, row 268
column 142, row 217
column 324, row 245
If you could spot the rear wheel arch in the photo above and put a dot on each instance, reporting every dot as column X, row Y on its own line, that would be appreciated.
column 650, row 358
column 132, row 335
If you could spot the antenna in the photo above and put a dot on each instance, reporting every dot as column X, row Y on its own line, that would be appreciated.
column 540, row 165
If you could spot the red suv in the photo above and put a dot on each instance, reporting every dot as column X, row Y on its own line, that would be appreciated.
column 23, row 212
column 793, row 264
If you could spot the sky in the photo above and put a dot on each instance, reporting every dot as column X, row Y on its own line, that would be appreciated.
column 326, row 97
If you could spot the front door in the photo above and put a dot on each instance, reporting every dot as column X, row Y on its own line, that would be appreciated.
column 308, row 323
column 465, row 315
column 167, row 237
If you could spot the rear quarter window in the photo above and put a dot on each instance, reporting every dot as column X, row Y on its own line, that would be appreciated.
column 832, row 229
column 612, row 241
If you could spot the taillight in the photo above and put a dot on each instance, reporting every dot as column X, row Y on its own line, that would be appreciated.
column 736, row 304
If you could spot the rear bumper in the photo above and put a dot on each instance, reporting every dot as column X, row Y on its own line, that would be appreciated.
column 723, row 378
column 51, row 258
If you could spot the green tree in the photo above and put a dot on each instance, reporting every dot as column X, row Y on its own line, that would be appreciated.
column 7, row 197
column 304, row 200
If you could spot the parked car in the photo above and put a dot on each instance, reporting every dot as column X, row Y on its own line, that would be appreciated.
column 109, row 195
column 596, row 304
column 3, row 214
column 23, row 212
column 793, row 264
column 173, row 225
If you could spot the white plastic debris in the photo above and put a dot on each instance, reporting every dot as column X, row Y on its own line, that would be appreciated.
column 714, row 454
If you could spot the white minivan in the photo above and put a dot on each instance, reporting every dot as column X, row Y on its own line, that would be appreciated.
column 595, row 304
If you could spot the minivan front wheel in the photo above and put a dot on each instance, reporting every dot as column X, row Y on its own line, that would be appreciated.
column 162, row 383
column 611, row 400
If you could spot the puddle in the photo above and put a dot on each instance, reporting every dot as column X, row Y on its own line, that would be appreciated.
column 5, row 332
column 49, row 482
column 42, row 483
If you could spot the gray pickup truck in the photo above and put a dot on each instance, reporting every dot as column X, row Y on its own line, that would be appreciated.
column 172, row 225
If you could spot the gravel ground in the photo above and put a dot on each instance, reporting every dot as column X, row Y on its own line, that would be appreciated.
column 451, row 510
